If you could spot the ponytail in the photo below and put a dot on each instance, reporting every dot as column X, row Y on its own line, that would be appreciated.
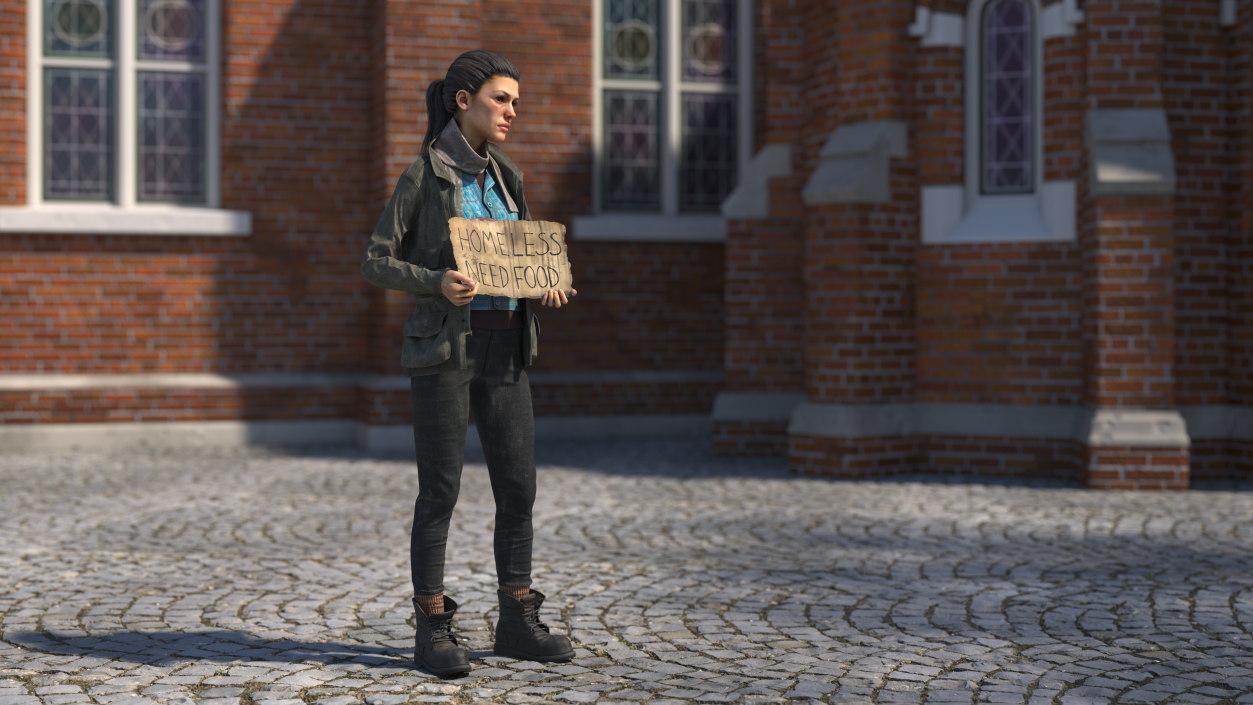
column 436, row 116
column 467, row 73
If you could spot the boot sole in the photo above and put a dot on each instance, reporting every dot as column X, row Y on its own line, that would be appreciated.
column 424, row 666
column 510, row 652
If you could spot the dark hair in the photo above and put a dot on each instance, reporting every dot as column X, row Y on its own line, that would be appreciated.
column 467, row 73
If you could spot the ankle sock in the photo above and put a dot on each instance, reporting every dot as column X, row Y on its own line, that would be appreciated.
column 430, row 604
column 516, row 593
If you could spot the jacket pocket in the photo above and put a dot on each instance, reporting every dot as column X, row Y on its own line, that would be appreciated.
column 427, row 340
column 428, row 257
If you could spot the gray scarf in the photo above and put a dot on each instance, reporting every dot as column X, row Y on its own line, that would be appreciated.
column 452, row 148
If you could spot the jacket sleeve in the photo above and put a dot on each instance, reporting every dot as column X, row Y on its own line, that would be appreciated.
column 383, row 263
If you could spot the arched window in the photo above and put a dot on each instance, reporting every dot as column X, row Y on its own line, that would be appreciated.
column 1007, row 162
column 1003, row 196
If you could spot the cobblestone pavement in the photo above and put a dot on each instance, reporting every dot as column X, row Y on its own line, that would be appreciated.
column 253, row 578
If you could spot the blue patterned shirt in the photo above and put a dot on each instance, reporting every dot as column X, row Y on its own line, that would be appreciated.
column 492, row 207
column 474, row 205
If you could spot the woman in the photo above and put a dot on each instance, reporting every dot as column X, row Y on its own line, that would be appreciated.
column 462, row 352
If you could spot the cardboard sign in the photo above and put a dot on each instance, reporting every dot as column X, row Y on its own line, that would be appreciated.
column 524, row 259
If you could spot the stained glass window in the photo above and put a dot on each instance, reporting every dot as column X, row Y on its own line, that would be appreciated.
column 171, row 145
column 84, row 121
column 670, row 104
column 171, row 29
column 632, row 39
column 709, row 158
column 709, row 40
column 1007, row 89
column 632, row 173
column 78, row 163
column 78, row 28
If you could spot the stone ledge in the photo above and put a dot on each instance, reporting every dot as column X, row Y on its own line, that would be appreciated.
column 78, row 219
column 1129, row 152
column 938, row 29
column 756, row 406
column 751, row 198
column 854, row 166
column 1219, row 422
column 29, row 438
column 1095, row 428
column 377, row 382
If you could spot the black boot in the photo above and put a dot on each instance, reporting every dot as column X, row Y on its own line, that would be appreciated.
column 520, row 634
column 435, row 647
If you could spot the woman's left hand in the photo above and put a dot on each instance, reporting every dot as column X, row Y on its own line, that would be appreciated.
column 556, row 297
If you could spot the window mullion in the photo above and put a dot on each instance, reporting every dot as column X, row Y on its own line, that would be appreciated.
column 127, row 103
column 598, row 97
column 744, row 72
column 213, row 106
column 35, row 120
column 672, row 62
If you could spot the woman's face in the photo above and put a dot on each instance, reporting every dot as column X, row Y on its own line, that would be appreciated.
column 487, row 115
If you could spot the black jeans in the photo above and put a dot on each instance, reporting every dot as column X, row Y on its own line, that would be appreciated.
column 495, row 386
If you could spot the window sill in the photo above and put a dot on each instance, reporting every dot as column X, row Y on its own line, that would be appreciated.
column 83, row 219
column 1046, row 217
column 650, row 227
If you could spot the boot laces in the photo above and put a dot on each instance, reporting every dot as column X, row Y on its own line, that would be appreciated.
column 441, row 631
column 533, row 621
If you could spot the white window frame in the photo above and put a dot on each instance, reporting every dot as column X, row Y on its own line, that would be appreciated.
column 125, row 214
column 961, row 213
column 669, row 225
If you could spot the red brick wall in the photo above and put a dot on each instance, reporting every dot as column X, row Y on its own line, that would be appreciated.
column 616, row 398
column 1137, row 468
column 765, row 298
column 1240, row 360
column 171, row 404
column 641, row 306
column 939, row 115
column 1064, row 92
column 12, row 102
column 324, row 106
column 1000, row 324
column 987, row 456
column 1129, row 264
column 1220, row 461
column 1195, row 87
column 765, row 295
column 295, row 152
column 859, row 344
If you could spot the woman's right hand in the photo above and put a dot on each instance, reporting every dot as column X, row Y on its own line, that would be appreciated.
column 458, row 288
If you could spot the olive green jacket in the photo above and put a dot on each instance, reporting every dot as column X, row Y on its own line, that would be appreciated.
column 411, row 249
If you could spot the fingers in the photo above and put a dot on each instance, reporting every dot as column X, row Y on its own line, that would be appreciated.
column 555, row 298
column 459, row 288
column 459, row 278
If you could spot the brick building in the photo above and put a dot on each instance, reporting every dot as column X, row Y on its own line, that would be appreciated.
column 997, row 237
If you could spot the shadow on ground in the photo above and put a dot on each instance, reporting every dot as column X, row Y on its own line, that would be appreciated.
column 216, row 646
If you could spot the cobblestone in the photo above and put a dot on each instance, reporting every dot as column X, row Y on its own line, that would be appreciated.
column 257, row 578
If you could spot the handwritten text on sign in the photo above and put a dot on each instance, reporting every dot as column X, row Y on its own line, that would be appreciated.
column 517, row 258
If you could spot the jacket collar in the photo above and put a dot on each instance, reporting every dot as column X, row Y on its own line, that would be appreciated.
column 451, row 153
column 452, row 149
